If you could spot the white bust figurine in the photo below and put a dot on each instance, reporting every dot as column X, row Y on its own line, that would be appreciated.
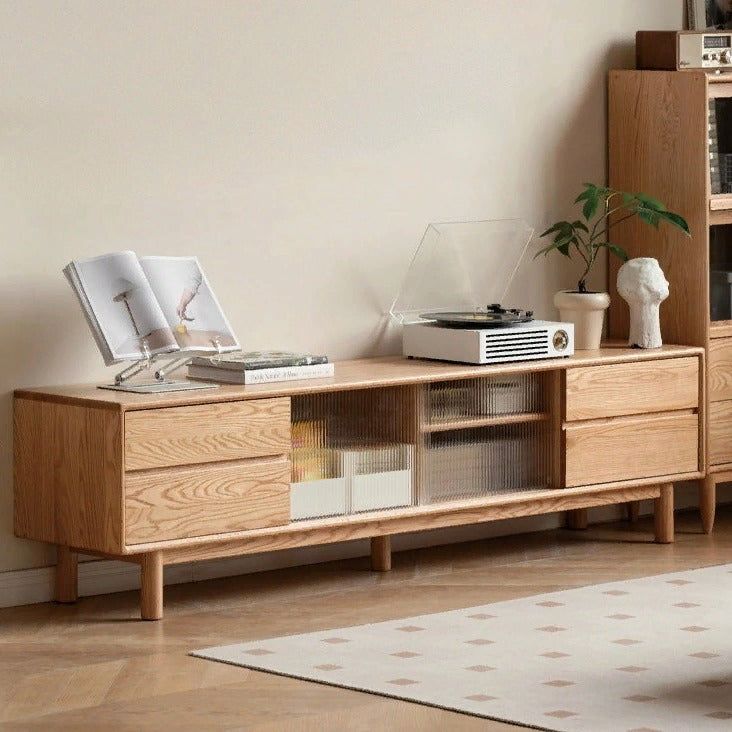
column 643, row 286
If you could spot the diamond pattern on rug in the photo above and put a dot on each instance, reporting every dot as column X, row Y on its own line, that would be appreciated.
column 645, row 655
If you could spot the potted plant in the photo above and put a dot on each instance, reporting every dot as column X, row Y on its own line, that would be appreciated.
column 588, row 236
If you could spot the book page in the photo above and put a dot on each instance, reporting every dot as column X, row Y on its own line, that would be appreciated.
column 188, row 304
column 118, row 295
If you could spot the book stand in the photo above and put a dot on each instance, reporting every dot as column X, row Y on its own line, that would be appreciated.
column 161, row 383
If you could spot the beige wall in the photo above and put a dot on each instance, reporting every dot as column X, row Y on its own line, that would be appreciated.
column 299, row 148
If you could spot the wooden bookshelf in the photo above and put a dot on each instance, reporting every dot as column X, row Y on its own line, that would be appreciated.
column 658, row 143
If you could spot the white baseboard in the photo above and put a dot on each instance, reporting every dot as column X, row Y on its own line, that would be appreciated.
column 101, row 577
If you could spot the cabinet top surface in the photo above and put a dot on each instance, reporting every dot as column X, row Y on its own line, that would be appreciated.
column 357, row 374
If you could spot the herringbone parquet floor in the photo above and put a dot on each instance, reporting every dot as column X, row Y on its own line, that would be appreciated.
column 94, row 666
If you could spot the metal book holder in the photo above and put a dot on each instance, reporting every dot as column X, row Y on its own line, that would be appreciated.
column 172, row 362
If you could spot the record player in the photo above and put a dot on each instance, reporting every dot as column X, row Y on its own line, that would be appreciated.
column 439, row 303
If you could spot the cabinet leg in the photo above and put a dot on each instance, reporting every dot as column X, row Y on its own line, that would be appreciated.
column 577, row 519
column 708, row 502
column 664, row 515
column 381, row 553
column 151, row 586
column 67, row 575
column 633, row 509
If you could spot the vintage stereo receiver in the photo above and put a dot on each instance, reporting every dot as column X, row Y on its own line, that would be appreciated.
column 709, row 50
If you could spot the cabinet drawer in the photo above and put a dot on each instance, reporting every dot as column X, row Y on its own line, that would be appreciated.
column 720, row 369
column 720, row 433
column 631, row 448
column 158, row 438
column 595, row 392
column 178, row 503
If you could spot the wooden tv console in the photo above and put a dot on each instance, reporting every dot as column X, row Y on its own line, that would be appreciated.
column 178, row 477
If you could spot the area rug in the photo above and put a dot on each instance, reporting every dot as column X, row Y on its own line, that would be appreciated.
column 640, row 655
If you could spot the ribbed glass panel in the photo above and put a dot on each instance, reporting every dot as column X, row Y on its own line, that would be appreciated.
column 353, row 451
column 485, row 437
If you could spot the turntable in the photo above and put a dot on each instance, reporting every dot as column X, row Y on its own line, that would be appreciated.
column 438, row 302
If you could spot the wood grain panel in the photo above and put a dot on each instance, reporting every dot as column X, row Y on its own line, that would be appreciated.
column 720, row 369
column 720, row 433
column 178, row 503
column 632, row 388
column 657, row 125
column 382, row 523
column 631, row 448
column 68, row 474
column 158, row 438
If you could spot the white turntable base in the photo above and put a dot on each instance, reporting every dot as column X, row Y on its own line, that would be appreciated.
column 521, row 342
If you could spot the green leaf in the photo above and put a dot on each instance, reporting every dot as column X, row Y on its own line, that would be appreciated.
column 590, row 207
column 560, row 243
column 580, row 225
column 545, row 250
column 650, row 217
column 675, row 220
column 651, row 203
column 561, row 226
column 590, row 189
column 552, row 229
column 617, row 251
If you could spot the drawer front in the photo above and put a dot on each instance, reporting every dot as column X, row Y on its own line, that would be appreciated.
column 629, row 449
column 179, row 503
column 720, row 369
column 158, row 438
column 720, row 433
column 614, row 390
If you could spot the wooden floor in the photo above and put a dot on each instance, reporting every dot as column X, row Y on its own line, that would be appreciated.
column 94, row 666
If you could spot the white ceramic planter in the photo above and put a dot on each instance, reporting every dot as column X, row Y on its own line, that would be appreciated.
column 587, row 311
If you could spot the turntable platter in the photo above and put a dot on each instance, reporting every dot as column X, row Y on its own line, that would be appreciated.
column 494, row 316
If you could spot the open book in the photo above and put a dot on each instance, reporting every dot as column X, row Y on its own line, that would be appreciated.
column 162, row 303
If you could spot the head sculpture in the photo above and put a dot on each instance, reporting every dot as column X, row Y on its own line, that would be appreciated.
column 644, row 287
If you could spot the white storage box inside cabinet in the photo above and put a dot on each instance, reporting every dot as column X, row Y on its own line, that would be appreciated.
column 454, row 471
column 380, row 477
column 318, row 498
column 317, row 488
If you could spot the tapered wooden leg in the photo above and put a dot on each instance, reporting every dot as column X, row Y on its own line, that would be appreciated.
column 67, row 575
column 381, row 553
column 151, row 586
column 664, row 515
column 577, row 519
column 633, row 509
column 708, row 502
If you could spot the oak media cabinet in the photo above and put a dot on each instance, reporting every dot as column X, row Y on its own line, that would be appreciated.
column 386, row 446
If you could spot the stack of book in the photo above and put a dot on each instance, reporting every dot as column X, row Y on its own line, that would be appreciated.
column 715, row 170
column 259, row 367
